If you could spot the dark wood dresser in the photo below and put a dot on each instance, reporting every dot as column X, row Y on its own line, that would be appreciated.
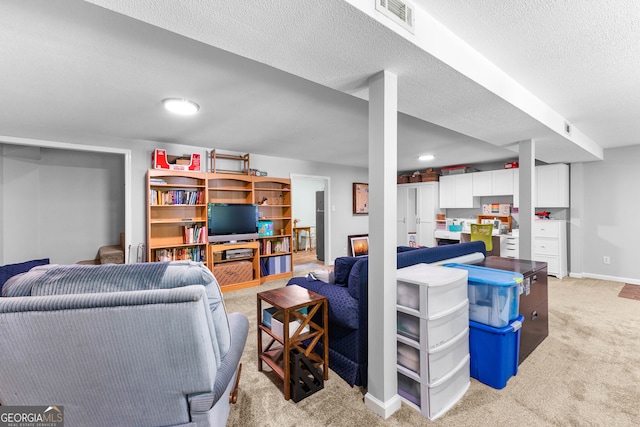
column 533, row 300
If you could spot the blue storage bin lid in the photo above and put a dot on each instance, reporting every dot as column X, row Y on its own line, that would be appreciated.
column 489, row 276
column 513, row 326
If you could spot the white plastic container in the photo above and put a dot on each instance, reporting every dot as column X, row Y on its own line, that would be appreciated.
column 429, row 333
column 434, row 400
column 430, row 289
column 433, row 364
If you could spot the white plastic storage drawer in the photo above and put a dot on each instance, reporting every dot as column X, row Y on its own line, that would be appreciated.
column 430, row 289
column 431, row 365
column 436, row 399
column 436, row 330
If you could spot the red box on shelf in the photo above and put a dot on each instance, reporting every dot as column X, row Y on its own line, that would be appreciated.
column 511, row 165
column 161, row 160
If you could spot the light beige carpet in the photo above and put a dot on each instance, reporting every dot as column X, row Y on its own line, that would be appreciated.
column 586, row 373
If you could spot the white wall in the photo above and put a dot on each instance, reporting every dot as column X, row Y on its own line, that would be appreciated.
column 304, row 200
column 604, row 220
column 59, row 204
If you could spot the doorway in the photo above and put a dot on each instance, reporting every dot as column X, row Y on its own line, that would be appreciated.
column 313, row 237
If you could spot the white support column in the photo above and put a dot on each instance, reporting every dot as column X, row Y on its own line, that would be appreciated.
column 382, row 396
column 527, row 170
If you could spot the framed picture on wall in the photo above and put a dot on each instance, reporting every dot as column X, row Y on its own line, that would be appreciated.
column 359, row 245
column 360, row 198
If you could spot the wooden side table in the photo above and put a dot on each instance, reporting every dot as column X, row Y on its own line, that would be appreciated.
column 296, row 233
column 277, row 352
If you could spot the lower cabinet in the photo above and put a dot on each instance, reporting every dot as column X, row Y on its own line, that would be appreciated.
column 510, row 247
column 550, row 245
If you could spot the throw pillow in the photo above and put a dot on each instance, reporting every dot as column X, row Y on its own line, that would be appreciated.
column 325, row 275
column 342, row 268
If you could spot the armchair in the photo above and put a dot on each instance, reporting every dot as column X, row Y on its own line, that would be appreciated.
column 134, row 344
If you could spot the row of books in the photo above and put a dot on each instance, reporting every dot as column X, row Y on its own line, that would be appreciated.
column 195, row 253
column 275, row 265
column 271, row 246
column 176, row 197
column 194, row 234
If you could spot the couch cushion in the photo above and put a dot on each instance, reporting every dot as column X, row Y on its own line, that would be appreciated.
column 10, row 270
column 342, row 268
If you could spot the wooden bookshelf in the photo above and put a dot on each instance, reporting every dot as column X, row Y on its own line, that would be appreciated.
column 273, row 195
column 176, row 215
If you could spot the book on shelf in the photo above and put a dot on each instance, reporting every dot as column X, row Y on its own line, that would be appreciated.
column 277, row 264
column 176, row 197
column 274, row 246
column 195, row 253
column 195, row 233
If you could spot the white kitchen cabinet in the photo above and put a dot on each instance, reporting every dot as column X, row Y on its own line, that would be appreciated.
column 552, row 184
column 502, row 182
column 417, row 210
column 482, row 183
column 456, row 191
column 550, row 245
column 493, row 183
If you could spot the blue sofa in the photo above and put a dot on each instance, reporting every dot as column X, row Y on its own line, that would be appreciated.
column 348, row 302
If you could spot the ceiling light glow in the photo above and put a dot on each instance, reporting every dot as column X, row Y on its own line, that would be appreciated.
column 426, row 157
column 181, row 106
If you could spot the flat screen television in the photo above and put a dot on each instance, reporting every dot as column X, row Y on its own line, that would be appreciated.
column 231, row 222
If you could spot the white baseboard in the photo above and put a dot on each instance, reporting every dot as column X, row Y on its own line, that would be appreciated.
column 382, row 409
column 605, row 277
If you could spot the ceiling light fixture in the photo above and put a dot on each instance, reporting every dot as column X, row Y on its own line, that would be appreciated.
column 426, row 157
column 181, row 106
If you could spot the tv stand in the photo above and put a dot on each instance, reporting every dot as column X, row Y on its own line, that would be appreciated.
column 221, row 248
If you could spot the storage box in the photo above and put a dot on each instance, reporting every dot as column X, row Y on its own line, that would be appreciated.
column 494, row 295
column 265, row 228
column 434, row 331
column 434, row 400
column 161, row 160
column 511, row 165
column 430, row 289
column 431, row 365
column 273, row 319
column 430, row 175
column 233, row 272
column 494, row 352
column 454, row 170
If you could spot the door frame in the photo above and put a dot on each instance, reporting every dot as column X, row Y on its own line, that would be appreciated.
column 327, row 212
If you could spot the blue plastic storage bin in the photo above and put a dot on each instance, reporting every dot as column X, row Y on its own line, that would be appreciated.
column 494, row 352
column 494, row 295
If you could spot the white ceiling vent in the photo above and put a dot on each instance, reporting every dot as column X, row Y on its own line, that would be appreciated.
column 401, row 12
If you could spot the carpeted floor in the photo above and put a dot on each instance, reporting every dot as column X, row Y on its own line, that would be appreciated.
column 586, row 373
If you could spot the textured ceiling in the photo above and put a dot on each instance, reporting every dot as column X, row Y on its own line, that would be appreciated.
column 288, row 78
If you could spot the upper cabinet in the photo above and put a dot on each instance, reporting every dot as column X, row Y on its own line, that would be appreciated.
column 465, row 190
column 552, row 182
column 493, row 183
column 456, row 191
